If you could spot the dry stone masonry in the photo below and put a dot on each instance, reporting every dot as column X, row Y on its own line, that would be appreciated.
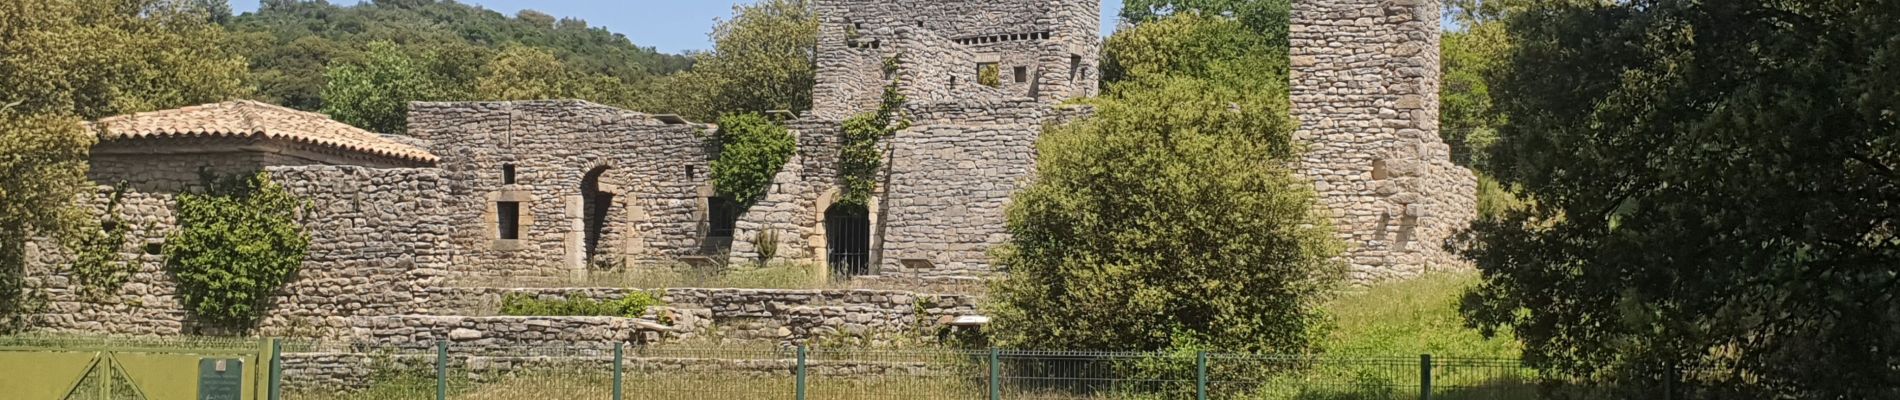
column 1365, row 82
column 409, row 233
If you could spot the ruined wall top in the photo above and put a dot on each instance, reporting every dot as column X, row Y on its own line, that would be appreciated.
column 1046, row 50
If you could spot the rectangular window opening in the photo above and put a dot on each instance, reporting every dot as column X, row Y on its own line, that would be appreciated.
column 507, row 174
column 1075, row 67
column 1022, row 74
column 508, row 220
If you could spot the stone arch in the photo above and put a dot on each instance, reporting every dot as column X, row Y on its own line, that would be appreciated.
column 596, row 207
column 816, row 241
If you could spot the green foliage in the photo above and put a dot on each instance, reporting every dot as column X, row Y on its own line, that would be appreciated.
column 633, row 305
column 1417, row 316
column 1198, row 45
column 1267, row 19
column 861, row 156
column 65, row 61
column 295, row 42
column 1468, row 118
column 764, row 58
column 1714, row 194
column 98, row 269
column 752, row 149
column 42, row 169
column 766, row 242
column 238, row 242
column 98, row 58
column 989, row 75
column 1171, row 215
column 375, row 94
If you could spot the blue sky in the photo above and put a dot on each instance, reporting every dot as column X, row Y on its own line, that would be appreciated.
column 672, row 26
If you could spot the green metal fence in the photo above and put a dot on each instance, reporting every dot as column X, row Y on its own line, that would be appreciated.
column 618, row 372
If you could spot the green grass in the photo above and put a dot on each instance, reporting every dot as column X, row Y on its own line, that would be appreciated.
column 1409, row 318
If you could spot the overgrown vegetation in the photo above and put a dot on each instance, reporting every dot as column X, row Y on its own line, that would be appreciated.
column 862, row 154
column 989, row 75
column 752, row 151
column 633, row 305
column 1171, row 220
column 238, row 242
column 98, row 270
column 1713, row 190
column 763, row 59
column 73, row 60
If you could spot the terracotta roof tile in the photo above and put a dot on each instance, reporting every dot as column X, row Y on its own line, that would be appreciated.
column 247, row 118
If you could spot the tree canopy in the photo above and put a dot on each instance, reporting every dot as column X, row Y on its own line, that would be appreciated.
column 1171, row 218
column 66, row 61
column 295, row 42
column 763, row 59
column 1714, row 196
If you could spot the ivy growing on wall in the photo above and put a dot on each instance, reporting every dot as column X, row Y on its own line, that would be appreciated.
column 752, row 150
column 98, row 270
column 238, row 242
column 860, row 157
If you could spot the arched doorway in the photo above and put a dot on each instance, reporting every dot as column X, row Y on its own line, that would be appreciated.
column 595, row 205
column 848, row 240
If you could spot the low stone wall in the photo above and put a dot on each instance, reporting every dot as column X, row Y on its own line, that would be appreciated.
column 876, row 317
column 502, row 335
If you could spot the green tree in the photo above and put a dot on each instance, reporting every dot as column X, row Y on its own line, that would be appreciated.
column 1193, row 44
column 295, row 42
column 1169, row 217
column 238, row 242
column 1267, row 18
column 65, row 61
column 752, row 150
column 525, row 73
column 763, row 59
column 1715, row 196
column 375, row 94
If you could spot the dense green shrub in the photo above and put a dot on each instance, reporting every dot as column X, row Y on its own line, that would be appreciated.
column 528, row 305
column 238, row 242
column 752, row 150
column 1171, row 216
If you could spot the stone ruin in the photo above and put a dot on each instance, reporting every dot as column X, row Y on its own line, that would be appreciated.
column 514, row 191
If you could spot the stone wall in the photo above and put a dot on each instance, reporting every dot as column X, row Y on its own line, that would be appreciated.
column 875, row 317
column 658, row 175
column 794, row 207
column 375, row 238
column 502, row 334
column 952, row 175
column 1054, row 42
column 1365, row 82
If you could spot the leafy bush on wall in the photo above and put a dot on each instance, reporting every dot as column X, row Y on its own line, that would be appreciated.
column 238, row 242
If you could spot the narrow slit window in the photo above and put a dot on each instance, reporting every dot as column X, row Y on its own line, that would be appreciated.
column 507, row 174
column 508, row 220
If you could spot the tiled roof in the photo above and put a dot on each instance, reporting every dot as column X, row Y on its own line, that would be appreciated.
column 250, row 118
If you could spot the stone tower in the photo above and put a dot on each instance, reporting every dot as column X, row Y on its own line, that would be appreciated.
column 1046, row 50
column 1365, row 82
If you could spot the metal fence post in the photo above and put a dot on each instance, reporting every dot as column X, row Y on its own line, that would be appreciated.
column 1200, row 375
column 799, row 386
column 441, row 370
column 276, row 389
column 1425, row 377
column 619, row 353
column 996, row 376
